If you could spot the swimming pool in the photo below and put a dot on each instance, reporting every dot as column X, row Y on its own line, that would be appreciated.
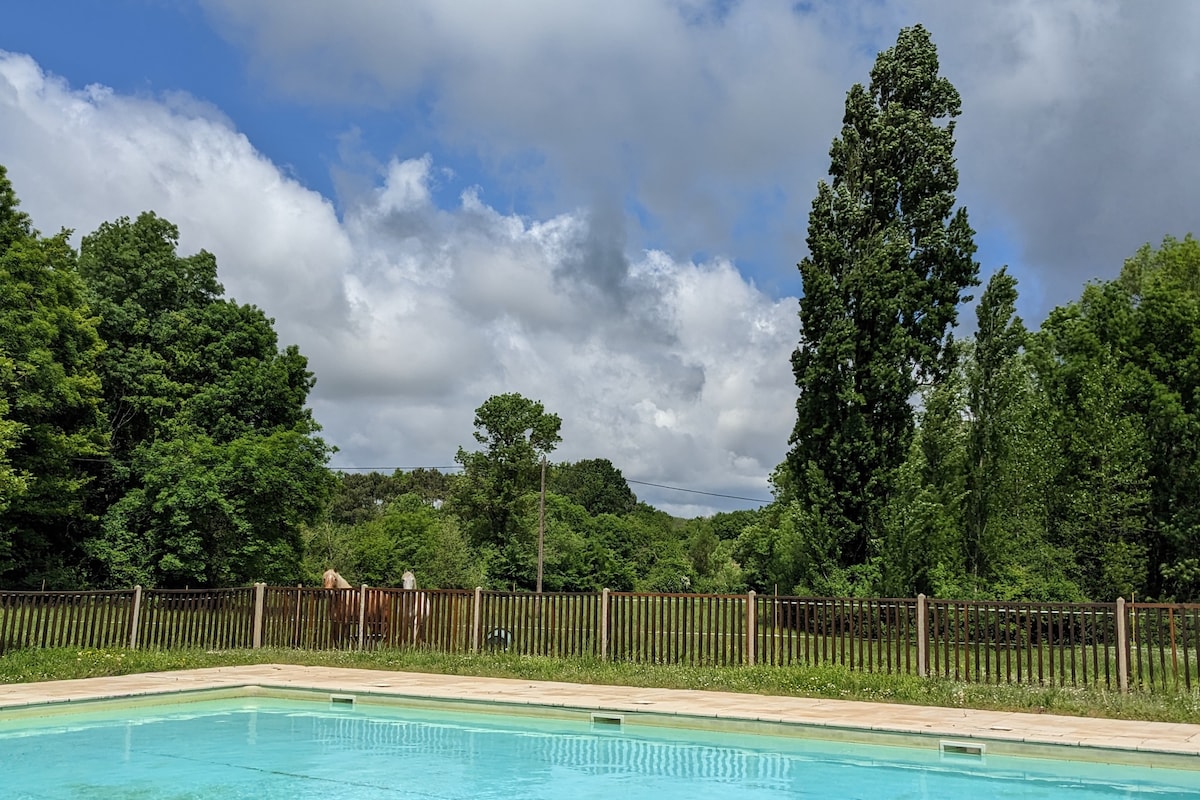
column 267, row 747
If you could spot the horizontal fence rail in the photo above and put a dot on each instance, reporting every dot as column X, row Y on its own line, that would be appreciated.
column 1139, row 646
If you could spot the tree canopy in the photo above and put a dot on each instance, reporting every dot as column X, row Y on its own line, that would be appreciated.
column 215, row 459
column 50, row 419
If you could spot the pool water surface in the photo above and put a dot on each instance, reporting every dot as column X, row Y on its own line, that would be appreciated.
column 263, row 747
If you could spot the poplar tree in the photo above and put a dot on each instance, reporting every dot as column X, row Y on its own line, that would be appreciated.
column 993, row 395
column 889, row 259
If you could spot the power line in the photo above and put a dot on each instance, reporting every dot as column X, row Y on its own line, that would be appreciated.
column 697, row 491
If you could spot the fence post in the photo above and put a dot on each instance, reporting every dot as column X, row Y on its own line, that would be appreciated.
column 135, row 617
column 1122, row 647
column 922, row 637
column 604, row 625
column 260, row 591
column 362, row 616
column 476, row 618
column 751, row 625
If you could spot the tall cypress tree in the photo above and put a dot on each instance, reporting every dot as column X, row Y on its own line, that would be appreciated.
column 889, row 260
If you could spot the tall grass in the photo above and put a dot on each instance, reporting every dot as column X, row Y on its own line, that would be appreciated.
column 824, row 681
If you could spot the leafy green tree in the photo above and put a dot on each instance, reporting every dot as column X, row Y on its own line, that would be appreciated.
column 728, row 525
column 515, row 432
column 1163, row 287
column 922, row 542
column 712, row 549
column 1106, row 490
column 1031, row 561
column 12, row 483
column 1122, row 369
column 657, row 547
column 431, row 485
column 793, row 550
column 50, row 423
column 572, row 561
column 360, row 497
column 215, row 459
column 327, row 544
column 595, row 484
column 214, row 513
column 412, row 535
column 15, row 224
column 889, row 258
column 709, row 544
column 148, row 299
column 725, row 575
column 613, row 540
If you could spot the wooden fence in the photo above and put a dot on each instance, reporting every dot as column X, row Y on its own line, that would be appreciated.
column 1120, row 646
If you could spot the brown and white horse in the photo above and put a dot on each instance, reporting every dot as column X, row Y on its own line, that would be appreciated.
column 343, row 610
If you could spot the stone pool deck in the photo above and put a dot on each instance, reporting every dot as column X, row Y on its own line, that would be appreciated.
column 1004, row 731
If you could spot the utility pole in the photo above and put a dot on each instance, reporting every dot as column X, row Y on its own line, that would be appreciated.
column 541, row 525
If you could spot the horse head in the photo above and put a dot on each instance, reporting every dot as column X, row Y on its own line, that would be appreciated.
column 332, row 580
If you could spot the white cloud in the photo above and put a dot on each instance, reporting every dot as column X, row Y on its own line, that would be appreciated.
column 696, row 107
column 1077, row 143
column 413, row 315
column 79, row 158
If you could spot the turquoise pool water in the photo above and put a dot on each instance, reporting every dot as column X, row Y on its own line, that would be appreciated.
column 270, row 748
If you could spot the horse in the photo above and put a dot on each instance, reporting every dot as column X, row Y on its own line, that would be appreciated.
column 415, row 608
column 343, row 609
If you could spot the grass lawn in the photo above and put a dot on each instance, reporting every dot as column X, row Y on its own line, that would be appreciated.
column 827, row 681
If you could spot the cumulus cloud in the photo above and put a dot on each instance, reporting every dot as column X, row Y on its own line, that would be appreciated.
column 412, row 315
column 1077, row 142
column 678, row 372
column 702, row 110
column 1079, row 127
column 80, row 157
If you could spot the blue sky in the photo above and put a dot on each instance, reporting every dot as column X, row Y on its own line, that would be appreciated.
column 598, row 205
